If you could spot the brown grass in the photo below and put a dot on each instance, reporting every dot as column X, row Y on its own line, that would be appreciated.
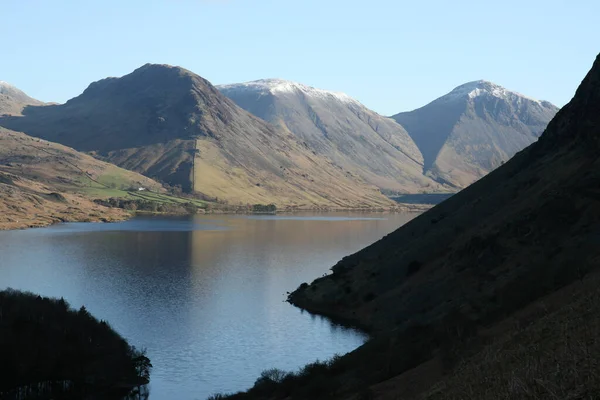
column 554, row 357
column 42, row 183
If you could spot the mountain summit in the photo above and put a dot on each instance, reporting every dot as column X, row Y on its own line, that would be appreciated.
column 340, row 128
column 171, row 124
column 472, row 130
column 272, row 86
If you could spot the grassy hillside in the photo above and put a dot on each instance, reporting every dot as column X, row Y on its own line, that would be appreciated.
column 43, row 183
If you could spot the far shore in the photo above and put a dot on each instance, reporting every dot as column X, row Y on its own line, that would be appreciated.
column 119, row 215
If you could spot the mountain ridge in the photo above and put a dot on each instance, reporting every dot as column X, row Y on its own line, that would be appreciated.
column 169, row 123
column 473, row 129
column 339, row 127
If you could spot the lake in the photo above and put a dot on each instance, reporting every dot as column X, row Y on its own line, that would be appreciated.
column 204, row 294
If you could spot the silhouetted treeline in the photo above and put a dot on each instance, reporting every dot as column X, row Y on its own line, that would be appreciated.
column 262, row 208
column 149, row 205
column 184, row 208
column 50, row 351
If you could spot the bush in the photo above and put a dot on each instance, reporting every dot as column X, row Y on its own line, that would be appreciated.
column 369, row 297
column 217, row 396
column 272, row 375
column 413, row 267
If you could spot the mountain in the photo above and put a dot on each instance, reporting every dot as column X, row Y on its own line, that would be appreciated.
column 491, row 294
column 338, row 127
column 43, row 183
column 13, row 100
column 474, row 129
column 170, row 124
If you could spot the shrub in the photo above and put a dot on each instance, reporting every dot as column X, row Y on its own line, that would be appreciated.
column 413, row 267
column 369, row 297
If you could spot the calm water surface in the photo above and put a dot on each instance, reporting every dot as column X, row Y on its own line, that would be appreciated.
column 205, row 294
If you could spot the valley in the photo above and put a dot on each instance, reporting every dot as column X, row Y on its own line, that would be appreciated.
column 495, row 193
column 300, row 200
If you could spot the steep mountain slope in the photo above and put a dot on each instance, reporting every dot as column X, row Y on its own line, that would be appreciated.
column 171, row 124
column 13, row 100
column 340, row 128
column 474, row 129
column 43, row 182
column 484, row 278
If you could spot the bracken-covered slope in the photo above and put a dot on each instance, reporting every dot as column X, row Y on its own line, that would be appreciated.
column 169, row 123
column 474, row 129
column 43, row 183
column 340, row 128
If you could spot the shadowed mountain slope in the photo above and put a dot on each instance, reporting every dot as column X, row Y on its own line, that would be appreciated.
column 491, row 294
column 525, row 223
column 474, row 129
column 169, row 123
column 340, row 128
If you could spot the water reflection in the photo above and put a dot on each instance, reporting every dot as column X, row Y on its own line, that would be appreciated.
column 205, row 295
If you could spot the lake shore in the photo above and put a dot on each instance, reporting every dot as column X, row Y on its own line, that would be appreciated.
column 93, row 213
column 46, row 212
column 216, row 274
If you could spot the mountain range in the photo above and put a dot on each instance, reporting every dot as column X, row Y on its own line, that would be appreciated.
column 170, row 124
column 275, row 141
column 340, row 128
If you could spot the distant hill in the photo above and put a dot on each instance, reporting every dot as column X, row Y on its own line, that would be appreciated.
column 474, row 129
column 340, row 128
column 13, row 100
column 43, row 182
column 170, row 124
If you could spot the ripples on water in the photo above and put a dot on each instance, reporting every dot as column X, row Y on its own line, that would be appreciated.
column 205, row 294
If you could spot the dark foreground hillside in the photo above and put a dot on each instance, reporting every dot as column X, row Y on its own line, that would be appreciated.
column 491, row 294
column 50, row 351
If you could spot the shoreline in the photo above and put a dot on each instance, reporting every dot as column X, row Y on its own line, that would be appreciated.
column 7, row 226
column 113, row 216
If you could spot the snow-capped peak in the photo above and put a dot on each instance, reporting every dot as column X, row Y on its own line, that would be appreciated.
column 479, row 88
column 280, row 86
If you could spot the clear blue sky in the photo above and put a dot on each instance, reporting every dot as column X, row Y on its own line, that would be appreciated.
column 392, row 55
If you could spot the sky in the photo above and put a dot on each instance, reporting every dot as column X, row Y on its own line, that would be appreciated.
column 391, row 55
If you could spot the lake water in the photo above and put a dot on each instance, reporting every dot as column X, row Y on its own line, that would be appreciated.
column 204, row 294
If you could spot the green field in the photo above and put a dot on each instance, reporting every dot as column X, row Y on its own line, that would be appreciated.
column 164, row 198
column 115, row 184
column 99, row 192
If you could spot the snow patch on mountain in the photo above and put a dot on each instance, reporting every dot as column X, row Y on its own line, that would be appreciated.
column 280, row 86
column 480, row 88
column 6, row 85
